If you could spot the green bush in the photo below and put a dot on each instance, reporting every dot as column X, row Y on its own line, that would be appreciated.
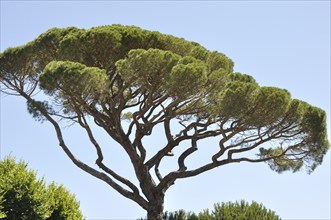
column 239, row 211
column 226, row 211
column 23, row 196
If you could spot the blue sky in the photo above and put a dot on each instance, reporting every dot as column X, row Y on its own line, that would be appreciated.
column 280, row 43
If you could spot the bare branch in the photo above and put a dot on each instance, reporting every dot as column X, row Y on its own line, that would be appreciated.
column 131, row 195
column 157, row 172
column 84, row 124
column 189, row 151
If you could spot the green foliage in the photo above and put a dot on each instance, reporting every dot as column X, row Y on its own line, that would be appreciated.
column 180, row 215
column 242, row 78
column 236, row 100
column 23, row 196
column 2, row 200
column 147, row 68
column 226, row 211
column 35, row 108
column 257, row 106
column 240, row 211
column 73, row 78
column 108, row 67
column 310, row 123
column 71, row 82
column 192, row 73
column 63, row 203
column 153, row 80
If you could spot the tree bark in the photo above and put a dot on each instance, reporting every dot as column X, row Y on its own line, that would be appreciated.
column 155, row 211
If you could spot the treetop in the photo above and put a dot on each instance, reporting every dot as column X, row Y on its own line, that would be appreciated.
column 111, row 70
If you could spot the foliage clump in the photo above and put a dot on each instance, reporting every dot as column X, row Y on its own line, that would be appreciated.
column 23, row 196
column 239, row 210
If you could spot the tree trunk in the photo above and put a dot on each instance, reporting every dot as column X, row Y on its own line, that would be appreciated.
column 155, row 211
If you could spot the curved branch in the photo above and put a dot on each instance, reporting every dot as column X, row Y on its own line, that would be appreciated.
column 169, row 179
column 102, row 176
column 99, row 162
column 183, row 156
column 173, row 176
column 157, row 172
column 189, row 151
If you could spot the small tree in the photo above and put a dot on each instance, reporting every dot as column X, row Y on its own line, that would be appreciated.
column 63, row 204
column 26, row 197
column 240, row 211
column 227, row 211
column 114, row 74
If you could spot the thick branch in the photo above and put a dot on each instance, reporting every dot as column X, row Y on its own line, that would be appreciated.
column 184, row 173
column 99, row 162
column 186, row 153
column 131, row 195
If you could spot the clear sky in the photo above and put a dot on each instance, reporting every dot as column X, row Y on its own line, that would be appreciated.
column 281, row 43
